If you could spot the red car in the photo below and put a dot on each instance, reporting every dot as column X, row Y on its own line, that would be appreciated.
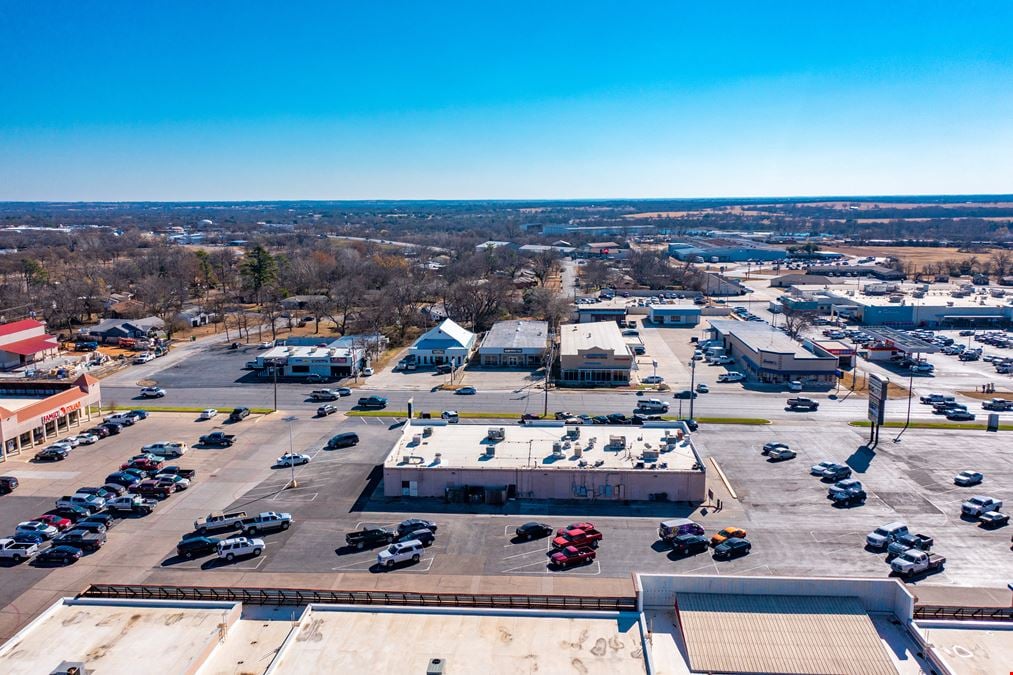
column 58, row 522
column 578, row 538
column 573, row 555
column 143, row 464
column 574, row 526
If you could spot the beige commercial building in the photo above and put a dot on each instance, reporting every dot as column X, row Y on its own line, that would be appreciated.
column 546, row 460
column 594, row 354
column 34, row 413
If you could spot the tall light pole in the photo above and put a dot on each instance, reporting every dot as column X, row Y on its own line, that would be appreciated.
column 289, row 420
column 692, row 386
column 274, row 370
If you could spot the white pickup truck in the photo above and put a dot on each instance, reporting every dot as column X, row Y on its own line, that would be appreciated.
column 269, row 520
column 168, row 449
column 914, row 561
column 218, row 521
column 92, row 503
column 17, row 551
column 979, row 504
column 132, row 504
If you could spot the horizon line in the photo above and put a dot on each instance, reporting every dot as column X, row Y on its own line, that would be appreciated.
column 822, row 197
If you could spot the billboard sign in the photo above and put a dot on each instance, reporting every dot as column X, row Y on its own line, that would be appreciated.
column 878, row 389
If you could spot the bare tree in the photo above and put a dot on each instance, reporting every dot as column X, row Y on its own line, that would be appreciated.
column 1001, row 260
column 796, row 321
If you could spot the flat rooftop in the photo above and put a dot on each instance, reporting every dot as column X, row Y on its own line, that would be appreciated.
column 972, row 650
column 762, row 337
column 604, row 335
column 16, row 403
column 118, row 637
column 531, row 447
column 363, row 640
column 517, row 335
column 618, row 303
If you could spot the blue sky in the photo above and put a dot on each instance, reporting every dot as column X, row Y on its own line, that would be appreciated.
column 409, row 100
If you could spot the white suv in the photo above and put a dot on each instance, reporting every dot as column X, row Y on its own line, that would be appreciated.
column 152, row 392
column 400, row 552
column 230, row 549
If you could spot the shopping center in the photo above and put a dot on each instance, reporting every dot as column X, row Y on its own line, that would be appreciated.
column 33, row 413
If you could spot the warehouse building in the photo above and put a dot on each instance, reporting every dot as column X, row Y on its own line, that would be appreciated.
column 770, row 356
column 907, row 305
column 515, row 344
column 594, row 354
column 684, row 314
column 724, row 250
column 25, row 342
column 446, row 343
column 34, row 413
column 547, row 460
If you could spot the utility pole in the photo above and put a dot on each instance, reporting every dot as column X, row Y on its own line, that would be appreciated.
column 274, row 370
column 548, row 371
column 692, row 386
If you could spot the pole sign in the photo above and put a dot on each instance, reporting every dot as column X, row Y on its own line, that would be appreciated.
column 878, row 387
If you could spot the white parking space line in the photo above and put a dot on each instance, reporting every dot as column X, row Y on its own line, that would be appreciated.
column 291, row 496
column 543, row 563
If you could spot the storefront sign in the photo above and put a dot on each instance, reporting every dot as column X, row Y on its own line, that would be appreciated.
column 62, row 412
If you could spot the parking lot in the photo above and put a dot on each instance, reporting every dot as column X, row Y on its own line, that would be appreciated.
column 793, row 527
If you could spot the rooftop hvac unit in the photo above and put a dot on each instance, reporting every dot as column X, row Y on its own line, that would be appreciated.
column 490, row 450
column 437, row 458
column 578, row 451
column 417, row 439
column 436, row 667
column 70, row 668
column 427, row 431
column 496, row 433
column 617, row 442
column 557, row 449
column 573, row 432
column 650, row 455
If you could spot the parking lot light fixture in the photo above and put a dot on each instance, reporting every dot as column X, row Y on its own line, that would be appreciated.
column 289, row 421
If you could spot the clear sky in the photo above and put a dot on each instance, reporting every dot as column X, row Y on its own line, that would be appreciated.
column 217, row 100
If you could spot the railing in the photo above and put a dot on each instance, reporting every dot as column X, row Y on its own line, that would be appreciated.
column 941, row 613
column 302, row 596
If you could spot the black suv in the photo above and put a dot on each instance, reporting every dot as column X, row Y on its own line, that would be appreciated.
column 424, row 537
column 196, row 546
column 239, row 414
column 346, row 440
column 51, row 454
column 8, row 484
column 413, row 524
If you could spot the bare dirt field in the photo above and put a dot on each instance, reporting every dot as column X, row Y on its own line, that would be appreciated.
column 915, row 255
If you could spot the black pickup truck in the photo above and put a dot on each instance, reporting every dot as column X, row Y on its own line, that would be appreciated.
column 174, row 470
column 82, row 539
column 800, row 403
column 218, row 438
column 370, row 537
column 372, row 402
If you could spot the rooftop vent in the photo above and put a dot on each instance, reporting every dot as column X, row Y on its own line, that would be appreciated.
column 496, row 433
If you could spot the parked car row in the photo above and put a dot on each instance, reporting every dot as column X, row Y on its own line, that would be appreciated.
column 403, row 543
column 198, row 543
column 907, row 552
column 687, row 537
column 80, row 521
column 113, row 424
